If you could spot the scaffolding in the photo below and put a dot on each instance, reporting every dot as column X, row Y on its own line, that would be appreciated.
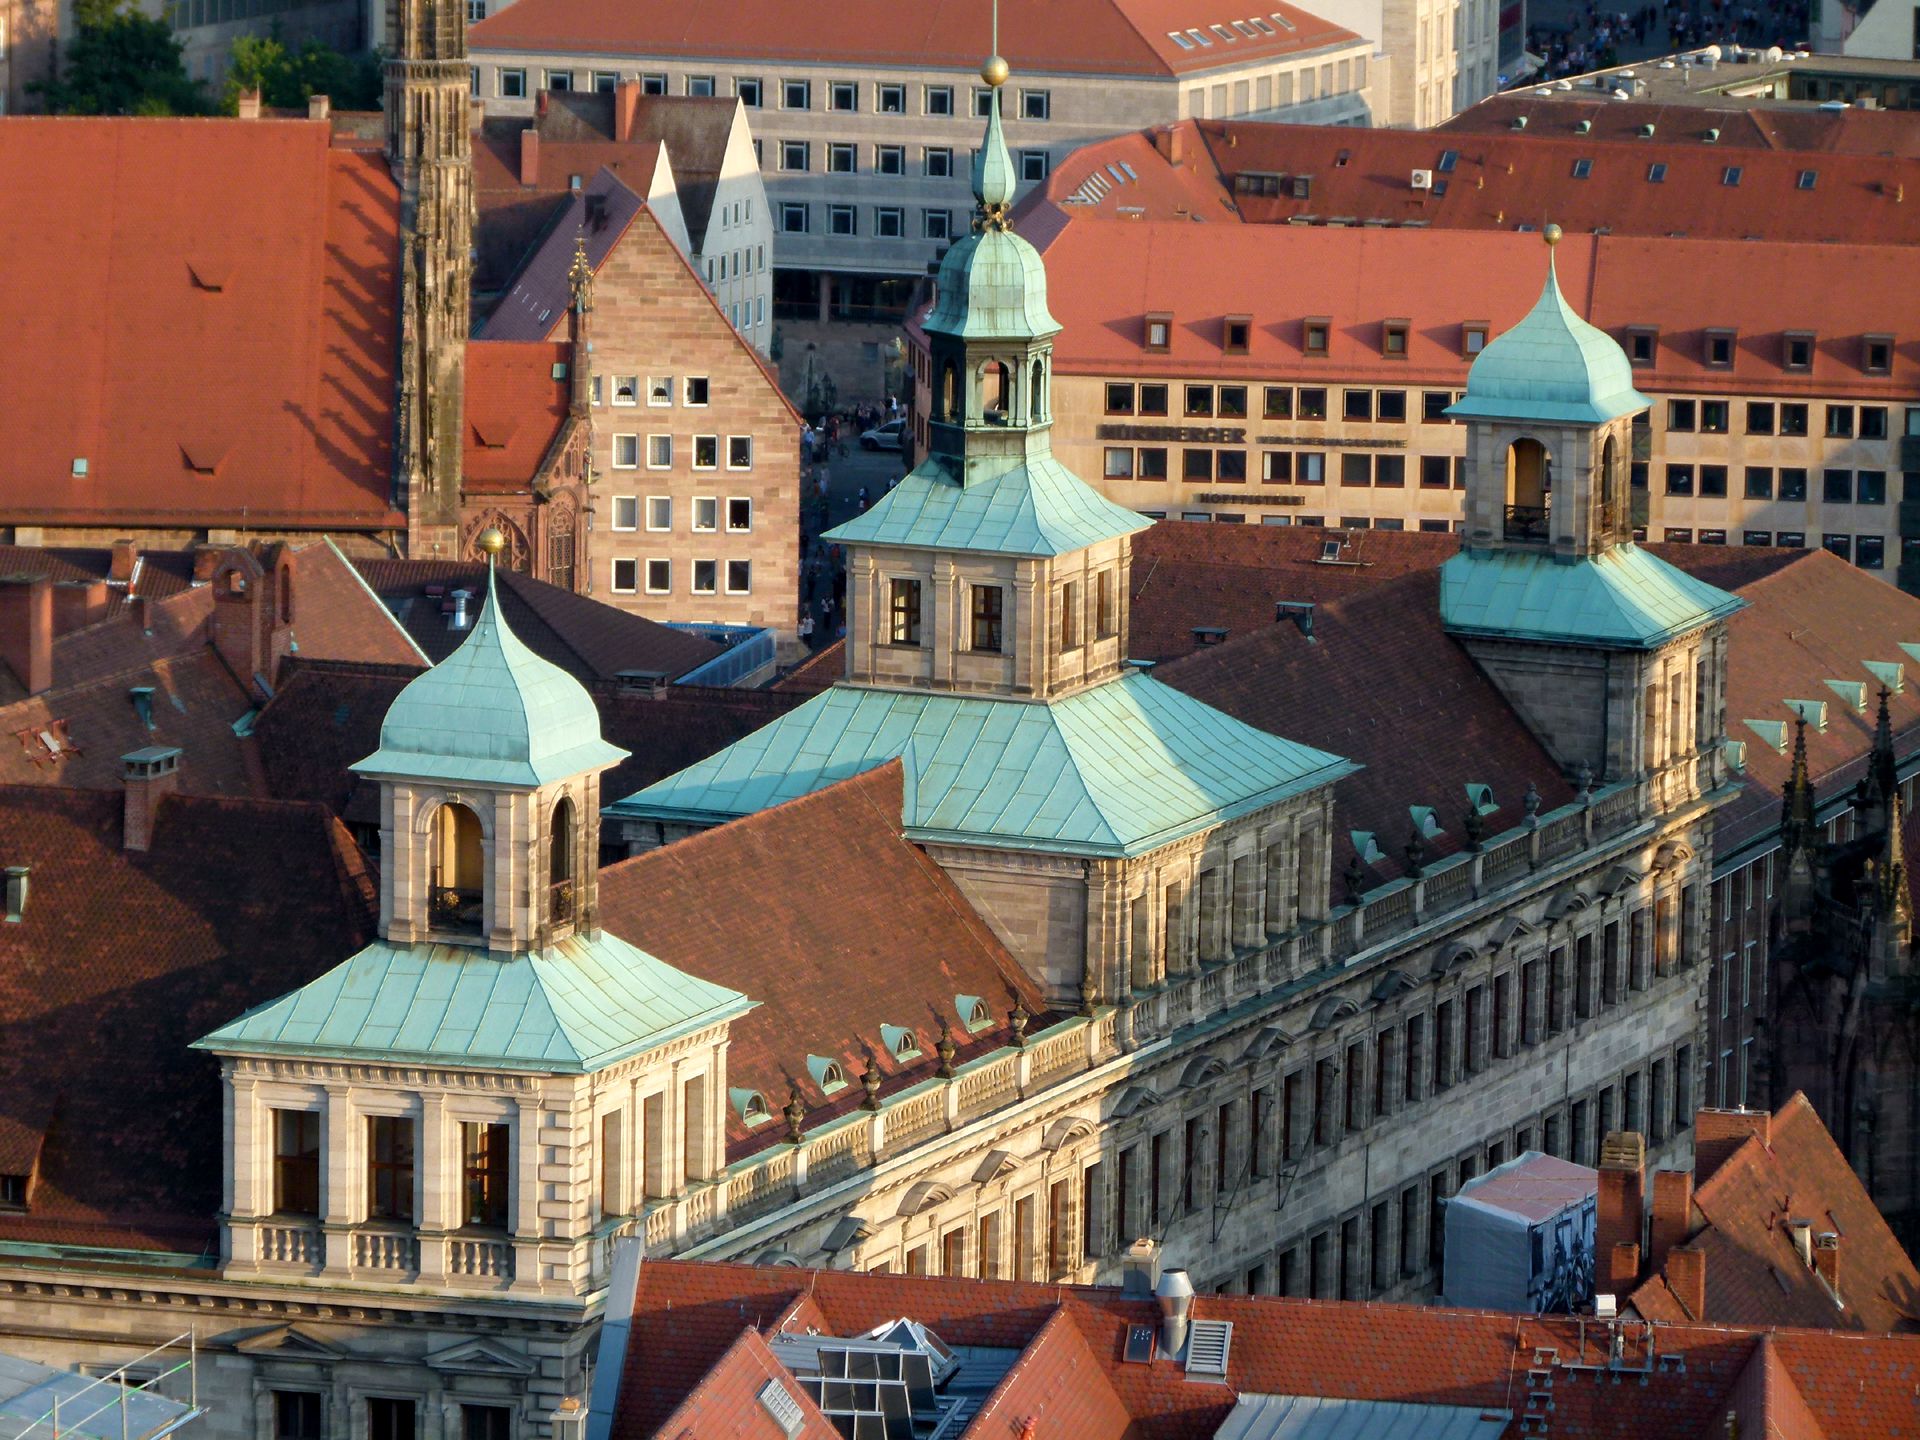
column 39, row 1402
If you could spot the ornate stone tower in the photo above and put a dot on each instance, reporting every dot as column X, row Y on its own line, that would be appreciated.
column 1616, row 659
column 429, row 148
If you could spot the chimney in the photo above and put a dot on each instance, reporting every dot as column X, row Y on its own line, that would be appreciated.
column 626, row 109
column 1622, row 1193
column 530, row 155
column 1175, row 1294
column 1672, row 1215
column 77, row 603
column 247, row 105
column 26, row 629
column 1176, row 151
column 540, row 103
column 1718, row 1133
column 152, row 774
column 1140, row 1269
column 1826, row 1260
column 1687, row 1278
column 319, row 107
column 1622, row 1272
column 126, row 556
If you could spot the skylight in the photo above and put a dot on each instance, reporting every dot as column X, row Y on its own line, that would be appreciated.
column 1262, row 26
column 1201, row 39
column 1281, row 20
column 1223, row 32
column 1448, row 159
column 1182, row 41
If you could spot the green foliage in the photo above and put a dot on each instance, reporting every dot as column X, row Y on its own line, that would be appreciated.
column 121, row 62
column 287, row 79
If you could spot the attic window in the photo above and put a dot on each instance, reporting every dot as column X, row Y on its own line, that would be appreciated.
column 1656, row 173
column 1582, row 169
column 1393, row 338
column 1317, row 332
column 1182, row 41
column 974, row 1013
column 1730, row 176
column 1642, row 341
column 17, row 876
column 1878, row 359
column 752, row 1106
column 1720, row 348
column 13, row 1192
column 1806, row 180
column 1281, row 20
column 1473, row 337
column 1799, row 350
column 79, row 466
column 827, row 1074
column 1448, row 159
column 1198, row 38
column 779, row 1403
column 1237, row 330
column 901, row 1042
column 1159, row 332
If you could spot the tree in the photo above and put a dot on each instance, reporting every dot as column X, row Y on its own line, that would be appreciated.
column 287, row 79
column 121, row 62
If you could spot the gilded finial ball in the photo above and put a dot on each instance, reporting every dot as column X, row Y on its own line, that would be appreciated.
column 995, row 72
column 491, row 541
column 1551, row 235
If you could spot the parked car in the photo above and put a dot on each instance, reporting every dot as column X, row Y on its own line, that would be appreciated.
column 884, row 437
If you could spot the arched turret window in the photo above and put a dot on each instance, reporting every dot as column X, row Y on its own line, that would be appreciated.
column 1528, row 481
column 1037, row 391
column 458, row 899
column 996, row 393
column 562, row 845
column 949, row 393
column 1612, row 493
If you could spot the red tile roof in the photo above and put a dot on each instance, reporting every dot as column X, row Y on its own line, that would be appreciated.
column 1105, row 278
column 1071, row 1382
column 1098, row 37
column 817, row 672
column 890, row 941
column 1810, row 617
column 132, row 956
column 204, row 311
column 517, row 394
column 1803, row 128
column 1754, row 1274
column 727, row 1400
column 589, row 639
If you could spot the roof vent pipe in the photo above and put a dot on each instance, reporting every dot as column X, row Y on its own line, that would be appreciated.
column 1175, row 1294
column 458, row 619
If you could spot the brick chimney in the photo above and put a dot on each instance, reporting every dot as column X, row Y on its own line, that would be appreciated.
column 1718, row 1133
column 530, row 155
column 626, row 109
column 152, row 774
column 126, row 555
column 1619, row 1270
column 247, row 105
column 1687, row 1278
column 26, row 629
column 1176, row 150
column 1672, row 1215
column 1623, row 1188
column 1826, row 1260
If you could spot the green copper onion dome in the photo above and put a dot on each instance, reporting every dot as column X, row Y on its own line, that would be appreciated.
column 1553, row 366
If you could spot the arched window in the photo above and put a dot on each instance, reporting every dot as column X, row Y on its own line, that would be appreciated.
column 996, row 393
column 1528, row 482
column 1612, row 493
column 1037, row 391
column 458, row 894
column 949, row 393
column 286, row 596
column 562, row 844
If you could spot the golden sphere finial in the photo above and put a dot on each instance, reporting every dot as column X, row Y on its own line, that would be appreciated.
column 995, row 71
column 1551, row 235
column 491, row 541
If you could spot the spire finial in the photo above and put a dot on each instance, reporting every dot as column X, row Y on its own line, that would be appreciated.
column 995, row 70
column 580, row 275
column 491, row 543
column 994, row 181
column 1552, row 235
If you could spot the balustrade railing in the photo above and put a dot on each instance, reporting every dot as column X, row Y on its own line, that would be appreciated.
column 1526, row 522
column 480, row 1258
column 386, row 1250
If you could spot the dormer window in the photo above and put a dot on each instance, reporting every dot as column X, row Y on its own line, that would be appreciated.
column 1236, row 332
column 1877, row 355
column 901, row 1042
column 751, row 1106
column 1316, row 333
column 1643, row 343
column 1473, row 338
column 1393, row 339
column 13, row 1192
column 973, row 1012
column 1159, row 332
column 1798, row 350
column 827, row 1074
column 1719, row 350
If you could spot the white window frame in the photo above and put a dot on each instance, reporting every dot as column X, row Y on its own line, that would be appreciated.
column 686, row 384
column 633, row 463
column 733, row 500
column 660, row 392
column 633, row 571
column 663, row 589
column 1045, row 107
column 733, row 440
column 666, row 524
column 655, row 442
column 501, row 78
column 595, row 387
column 631, row 504
column 712, row 588
column 632, row 385
column 746, row 589
column 712, row 505
column 694, row 456
column 787, row 149
column 945, row 152
column 883, row 215
column 806, row 94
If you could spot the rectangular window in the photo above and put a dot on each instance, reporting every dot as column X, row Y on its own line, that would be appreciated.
column 296, row 1162
column 626, row 576
column 486, row 1422
column 841, row 159
column 844, row 95
column 840, row 220
column 1277, row 402
column 1153, row 400
column 296, row 1415
column 1433, row 407
column 937, row 100
column 1235, row 333
column 1756, row 537
column 1199, row 400
column 1118, row 463
column 1313, row 405
column 739, row 577
column 706, row 577
column 1159, row 332
column 986, row 619
column 1713, row 417
column 982, row 102
column 626, row 389
column 749, row 93
column 485, row 1151
column 1119, row 399
column 1793, row 419
column 1390, row 471
column 706, row 514
column 938, row 161
column 739, row 452
column 1070, row 615
column 1196, row 465
column 889, row 222
column 1837, row 487
column 1679, row 480
column 1315, row 336
column 513, row 84
column 1036, row 104
column 1719, row 350
column 1839, row 422
column 1152, row 463
column 1793, row 483
column 1390, row 406
column 1759, row 417
column 890, row 159
column 1713, row 480
column 1759, row 482
column 796, row 155
column 1799, row 351
column 1642, row 344
column 1230, row 467
column 613, row 1167
column 1309, row 468
column 389, row 1167
column 659, row 577
column 1873, row 422
column 1870, row 552
column 706, row 452
column 793, row 218
column 1105, row 604
column 660, row 391
column 389, row 1419
column 560, row 81
column 1680, row 415
column 796, row 95
column 700, row 86
column 1841, row 545
column 1276, row 467
column 1435, row 472
column 1357, row 404
column 653, row 84
column 659, row 452
column 1356, row 469
column 626, row 453
column 890, row 99
column 739, row 514
column 936, row 224
column 1033, row 165
column 904, row 607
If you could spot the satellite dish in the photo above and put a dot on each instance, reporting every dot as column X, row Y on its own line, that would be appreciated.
column 1711, row 53
column 1775, row 54
column 1621, row 95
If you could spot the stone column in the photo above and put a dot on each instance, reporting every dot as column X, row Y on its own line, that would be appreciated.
column 441, row 1182
column 343, row 1196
